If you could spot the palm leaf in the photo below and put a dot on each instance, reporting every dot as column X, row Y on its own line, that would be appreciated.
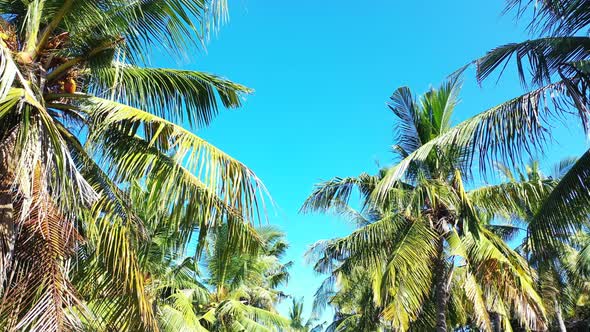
column 565, row 209
column 233, row 182
column 563, row 17
column 545, row 56
column 177, row 95
column 504, row 132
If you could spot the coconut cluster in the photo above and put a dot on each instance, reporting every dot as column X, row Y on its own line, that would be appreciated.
column 52, row 56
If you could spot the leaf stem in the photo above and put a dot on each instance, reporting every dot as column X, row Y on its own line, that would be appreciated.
column 51, row 27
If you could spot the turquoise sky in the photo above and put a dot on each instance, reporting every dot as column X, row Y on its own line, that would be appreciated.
column 323, row 72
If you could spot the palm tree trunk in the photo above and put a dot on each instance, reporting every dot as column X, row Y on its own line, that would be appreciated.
column 496, row 322
column 7, row 225
column 6, row 229
column 441, row 291
column 559, row 316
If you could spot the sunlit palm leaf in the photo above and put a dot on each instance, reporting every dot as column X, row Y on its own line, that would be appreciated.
column 505, row 132
column 241, row 188
column 176, row 95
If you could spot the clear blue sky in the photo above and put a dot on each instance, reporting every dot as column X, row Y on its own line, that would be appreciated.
column 322, row 72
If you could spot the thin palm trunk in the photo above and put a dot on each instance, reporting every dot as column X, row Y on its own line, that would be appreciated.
column 441, row 291
column 496, row 321
column 7, row 227
column 559, row 317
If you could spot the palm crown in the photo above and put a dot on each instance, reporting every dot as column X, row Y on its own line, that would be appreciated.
column 427, row 242
column 81, row 118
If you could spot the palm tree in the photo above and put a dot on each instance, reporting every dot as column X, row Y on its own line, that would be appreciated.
column 351, row 296
column 298, row 323
column 520, row 127
column 559, row 67
column 173, row 281
column 425, row 229
column 563, row 277
column 81, row 119
column 296, row 314
column 245, row 286
column 190, row 296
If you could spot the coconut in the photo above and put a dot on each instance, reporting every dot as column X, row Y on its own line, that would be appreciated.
column 24, row 58
column 70, row 86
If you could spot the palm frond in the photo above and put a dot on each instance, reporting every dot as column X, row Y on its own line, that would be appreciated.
column 545, row 56
column 173, row 26
column 113, row 256
column 512, row 199
column 561, row 17
column 231, row 181
column 505, row 132
column 178, row 95
column 408, row 268
column 335, row 192
column 404, row 107
column 400, row 252
column 515, row 283
column 565, row 210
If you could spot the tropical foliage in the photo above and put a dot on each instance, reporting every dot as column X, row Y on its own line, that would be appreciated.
column 298, row 323
column 432, row 253
column 116, row 216
column 424, row 251
column 228, row 288
column 81, row 120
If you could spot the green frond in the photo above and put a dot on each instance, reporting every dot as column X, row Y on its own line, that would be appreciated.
column 174, row 320
column 400, row 253
column 177, row 95
column 511, row 199
column 404, row 107
column 565, row 210
column 174, row 26
column 255, row 319
column 9, row 102
column 113, row 256
column 420, row 121
column 110, row 197
column 545, row 56
column 180, row 314
column 324, row 294
column 563, row 17
column 337, row 191
column 505, row 132
column 563, row 166
column 234, row 184
column 515, row 279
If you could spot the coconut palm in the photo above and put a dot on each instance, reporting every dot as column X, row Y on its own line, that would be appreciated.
column 298, row 323
column 520, row 127
column 424, row 230
column 81, row 118
column 351, row 296
column 173, row 282
column 562, row 275
column 296, row 314
column 559, row 72
column 188, row 296
column 245, row 286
